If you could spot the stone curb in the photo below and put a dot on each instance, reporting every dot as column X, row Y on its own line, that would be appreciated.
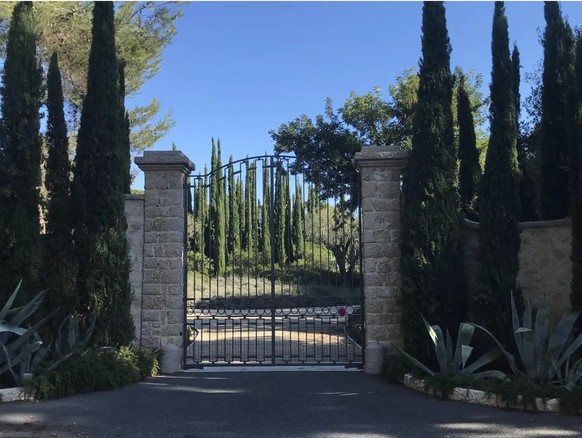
column 476, row 396
column 12, row 394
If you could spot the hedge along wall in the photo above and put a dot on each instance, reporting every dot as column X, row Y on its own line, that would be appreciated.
column 545, row 269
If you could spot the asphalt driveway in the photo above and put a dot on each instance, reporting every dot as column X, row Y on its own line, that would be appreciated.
column 271, row 404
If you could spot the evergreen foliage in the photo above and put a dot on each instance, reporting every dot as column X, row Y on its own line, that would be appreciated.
column 217, row 215
column 20, row 154
column 58, row 263
column 470, row 170
column 233, row 240
column 98, row 187
column 143, row 31
column 557, row 80
column 576, row 186
column 266, row 213
column 279, row 216
column 239, row 190
column 289, row 250
column 253, row 220
column 201, row 213
column 431, row 265
column 298, row 219
column 124, row 133
column 527, row 186
column 499, row 239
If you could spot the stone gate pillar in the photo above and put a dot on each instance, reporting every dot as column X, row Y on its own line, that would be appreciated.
column 164, row 257
column 380, row 169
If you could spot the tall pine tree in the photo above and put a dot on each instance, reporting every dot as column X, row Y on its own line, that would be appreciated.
column 58, row 262
column 470, row 170
column 499, row 239
column 20, row 152
column 98, row 187
column 557, row 80
column 432, row 274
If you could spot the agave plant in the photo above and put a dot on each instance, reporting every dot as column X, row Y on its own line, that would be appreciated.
column 542, row 357
column 571, row 375
column 21, row 349
column 455, row 363
column 69, row 341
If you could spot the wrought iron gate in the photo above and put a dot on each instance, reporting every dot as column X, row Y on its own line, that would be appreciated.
column 274, row 273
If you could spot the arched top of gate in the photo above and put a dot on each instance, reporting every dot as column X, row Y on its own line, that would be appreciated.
column 329, row 182
column 314, row 172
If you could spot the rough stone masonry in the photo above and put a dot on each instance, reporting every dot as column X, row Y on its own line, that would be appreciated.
column 164, row 256
column 380, row 169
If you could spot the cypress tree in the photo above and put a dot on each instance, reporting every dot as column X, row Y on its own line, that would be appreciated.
column 203, row 213
column 297, row 232
column 58, row 264
column 241, row 209
column 556, row 82
column 279, row 217
column 20, row 152
column 288, row 226
column 217, row 217
column 246, row 212
column 470, row 170
column 499, row 239
column 432, row 274
column 98, row 187
column 576, row 185
column 266, row 214
column 253, row 218
column 233, row 215
column 124, row 141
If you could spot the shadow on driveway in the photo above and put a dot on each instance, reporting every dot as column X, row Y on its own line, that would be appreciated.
column 271, row 404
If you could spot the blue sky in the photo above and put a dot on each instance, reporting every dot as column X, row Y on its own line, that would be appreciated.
column 236, row 70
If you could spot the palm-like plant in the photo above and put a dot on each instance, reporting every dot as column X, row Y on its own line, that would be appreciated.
column 543, row 357
column 455, row 362
column 21, row 349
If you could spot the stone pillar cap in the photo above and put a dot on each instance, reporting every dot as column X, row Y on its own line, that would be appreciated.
column 165, row 160
column 380, row 155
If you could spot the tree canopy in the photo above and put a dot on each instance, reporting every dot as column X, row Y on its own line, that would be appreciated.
column 143, row 31
column 332, row 138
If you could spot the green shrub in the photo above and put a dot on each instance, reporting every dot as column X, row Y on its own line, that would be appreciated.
column 95, row 370
column 395, row 366
column 148, row 362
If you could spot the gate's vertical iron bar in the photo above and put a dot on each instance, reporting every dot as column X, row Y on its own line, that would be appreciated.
column 185, row 274
column 358, row 193
column 272, row 232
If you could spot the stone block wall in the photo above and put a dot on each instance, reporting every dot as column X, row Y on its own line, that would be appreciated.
column 134, row 213
column 545, row 269
column 380, row 169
